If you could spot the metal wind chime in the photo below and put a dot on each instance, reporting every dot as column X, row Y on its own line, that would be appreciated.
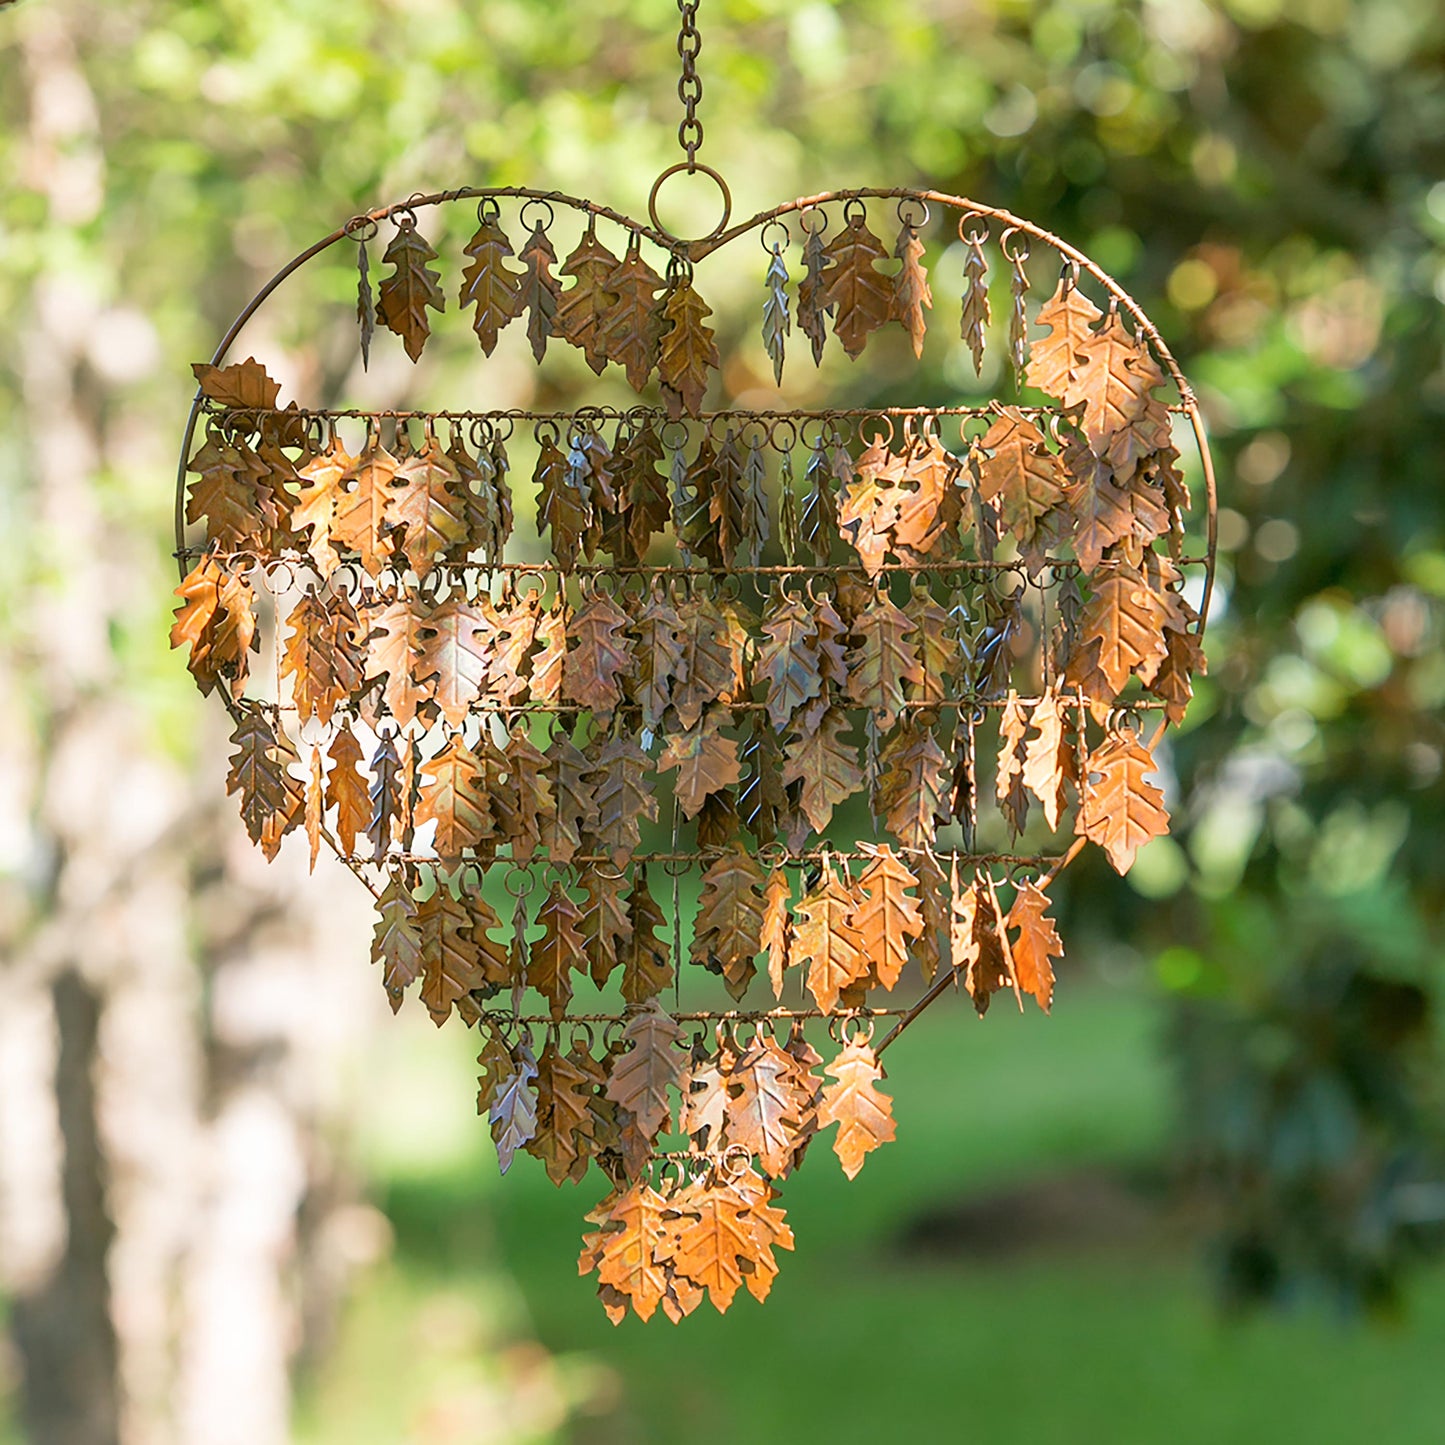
column 782, row 725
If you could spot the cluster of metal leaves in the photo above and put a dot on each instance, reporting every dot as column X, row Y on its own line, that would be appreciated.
column 751, row 636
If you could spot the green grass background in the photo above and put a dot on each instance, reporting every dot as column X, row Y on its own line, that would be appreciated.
column 1112, row 1340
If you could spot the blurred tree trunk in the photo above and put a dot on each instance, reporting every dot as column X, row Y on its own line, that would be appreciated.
column 175, row 1016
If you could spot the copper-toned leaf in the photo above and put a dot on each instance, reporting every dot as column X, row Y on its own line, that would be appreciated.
column 387, row 804
column 775, row 935
column 912, row 788
column 393, row 645
column 531, row 803
column 658, row 659
column 826, row 767
column 1113, row 380
column 727, row 936
column 814, row 305
column 404, row 296
column 974, row 318
column 320, row 494
column 425, row 502
column 1121, row 810
column 489, row 284
column 452, row 656
column 244, row 385
column 766, row 1103
column 361, row 511
column 861, row 294
column 1055, row 360
column 646, row 958
column 1021, row 474
column 346, row 789
column 563, row 1113
column 452, row 965
column 788, row 661
column 583, row 308
column 1037, row 943
column 545, row 684
column 825, row 940
column 886, row 917
column 558, row 951
column 1013, row 799
column 272, row 801
column 599, row 657
column 322, row 656
column 686, row 352
column 862, row 1112
column 882, row 660
column 623, row 799
column 574, row 812
column 630, row 326
column 715, row 1238
column 1048, row 762
column 561, row 508
column 540, row 291
column 605, row 926
column 216, row 622
column 396, row 942
column 642, row 1077
column 911, row 293
column 705, row 759
column 452, row 795
column 1124, row 616
column 227, row 493
column 626, row 1246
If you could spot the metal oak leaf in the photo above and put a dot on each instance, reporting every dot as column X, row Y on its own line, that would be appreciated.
column 911, row 792
column 1037, row 944
column 513, row 1114
column 886, row 917
column 1021, row 474
column 1114, row 379
column 426, row 503
column 658, row 658
column 562, row 508
column 1054, row 360
column 346, row 789
column 322, row 656
column 911, row 293
column 314, row 511
column 1121, row 811
column 715, row 1239
column 574, row 811
column 705, row 760
column 404, row 296
column 788, row 660
column 393, row 645
column 974, row 318
column 1126, row 620
column 387, row 808
column 217, row 623
column 686, row 351
column 558, row 951
column 453, row 797
column 825, row 940
column 396, row 942
column 882, row 661
column 642, row 1077
column 862, row 1112
column 632, row 1222
column 583, row 308
column 452, row 656
column 1048, row 762
column 826, row 767
column 490, row 285
column 776, row 932
column 861, row 295
column 540, row 291
column 727, row 936
column 707, row 659
column 646, row 959
column 451, row 961
column 360, row 523
column 622, row 798
column 776, row 321
column 814, row 307
column 600, row 656
column 630, row 326
column 766, row 1104
column 272, row 801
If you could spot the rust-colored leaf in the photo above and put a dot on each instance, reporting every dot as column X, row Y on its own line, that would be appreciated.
column 1055, row 360
column 882, row 660
column 489, row 285
column 642, row 1077
column 862, row 1112
column 453, row 797
column 1122, row 811
column 622, row 798
column 860, row 294
column 686, row 352
column 776, row 932
column 765, row 1106
column 630, row 326
column 705, row 760
column 396, row 942
column 814, row 306
column 540, row 291
column 360, row 523
column 599, row 658
column 425, row 503
column 452, row 656
column 1037, row 944
column 646, row 958
column 825, row 766
column 825, row 940
column 911, row 293
column 912, row 788
column 558, row 951
column 1021, row 474
column 272, row 801
column 321, row 492
column 346, row 789
column 727, row 936
column 583, row 308
column 403, row 297
column 886, row 916
column 217, row 623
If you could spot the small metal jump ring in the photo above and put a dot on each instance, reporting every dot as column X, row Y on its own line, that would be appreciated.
column 546, row 431
column 734, row 1163
column 820, row 225
column 361, row 228
column 775, row 432
column 536, row 225
column 582, row 1031
column 973, row 228
column 871, row 438
column 859, row 1023
column 855, row 211
column 775, row 247
column 488, row 211
column 921, row 221
column 519, row 881
column 403, row 218
column 1020, row 251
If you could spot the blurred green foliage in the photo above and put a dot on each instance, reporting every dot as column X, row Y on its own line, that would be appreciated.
column 1264, row 175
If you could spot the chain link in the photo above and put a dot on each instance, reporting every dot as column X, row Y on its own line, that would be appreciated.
column 689, row 87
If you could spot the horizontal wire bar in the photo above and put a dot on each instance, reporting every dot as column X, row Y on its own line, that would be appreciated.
column 786, row 858
column 700, row 1016
column 948, row 704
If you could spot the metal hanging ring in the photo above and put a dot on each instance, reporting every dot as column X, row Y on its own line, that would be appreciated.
column 537, row 225
column 691, row 167
column 774, row 247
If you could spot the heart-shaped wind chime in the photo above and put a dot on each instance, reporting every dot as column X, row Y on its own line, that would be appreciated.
column 624, row 763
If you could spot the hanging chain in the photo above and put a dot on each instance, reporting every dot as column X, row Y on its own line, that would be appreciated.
column 689, row 87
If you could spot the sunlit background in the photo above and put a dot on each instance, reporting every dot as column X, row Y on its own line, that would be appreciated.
column 240, row 1202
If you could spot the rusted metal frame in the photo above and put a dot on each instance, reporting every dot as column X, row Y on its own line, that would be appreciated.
column 779, row 855
column 700, row 1016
